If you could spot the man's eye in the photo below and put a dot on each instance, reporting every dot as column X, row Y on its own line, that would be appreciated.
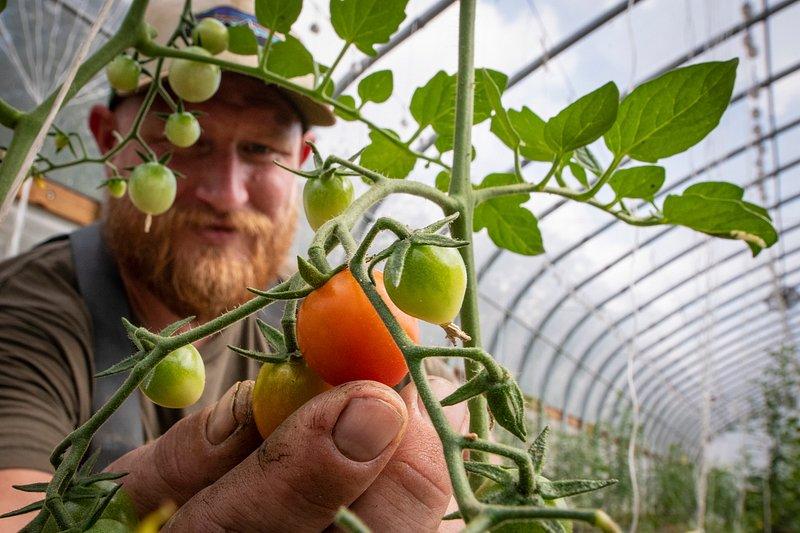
column 256, row 149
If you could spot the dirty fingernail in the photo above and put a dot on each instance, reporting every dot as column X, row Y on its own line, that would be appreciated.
column 365, row 428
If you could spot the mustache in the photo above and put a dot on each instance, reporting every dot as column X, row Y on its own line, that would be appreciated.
column 248, row 222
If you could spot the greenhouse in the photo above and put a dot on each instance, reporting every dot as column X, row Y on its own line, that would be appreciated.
column 585, row 214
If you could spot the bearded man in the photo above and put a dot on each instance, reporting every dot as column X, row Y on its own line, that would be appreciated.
column 361, row 445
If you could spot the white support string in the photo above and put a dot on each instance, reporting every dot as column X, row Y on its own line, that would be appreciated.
column 83, row 51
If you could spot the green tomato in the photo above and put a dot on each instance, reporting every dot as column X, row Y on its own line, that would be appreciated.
column 182, row 129
column 119, row 516
column 432, row 284
column 194, row 81
column 178, row 380
column 123, row 73
column 211, row 34
column 117, row 187
column 326, row 197
column 152, row 188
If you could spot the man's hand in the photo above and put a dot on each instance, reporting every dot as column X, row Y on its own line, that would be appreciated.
column 360, row 445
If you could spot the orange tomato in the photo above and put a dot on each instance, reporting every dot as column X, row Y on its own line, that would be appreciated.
column 342, row 337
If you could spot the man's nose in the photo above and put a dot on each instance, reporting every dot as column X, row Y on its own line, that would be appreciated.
column 223, row 186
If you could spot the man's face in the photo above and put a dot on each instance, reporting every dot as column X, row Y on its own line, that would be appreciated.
column 235, row 211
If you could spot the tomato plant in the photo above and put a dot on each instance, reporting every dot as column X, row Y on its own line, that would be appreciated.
column 325, row 197
column 182, row 129
column 281, row 389
column 152, row 188
column 117, row 187
column 432, row 283
column 342, row 337
column 178, row 380
column 194, row 81
column 123, row 73
column 211, row 34
column 120, row 514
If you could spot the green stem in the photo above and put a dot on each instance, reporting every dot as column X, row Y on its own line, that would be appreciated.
column 329, row 73
column 262, row 65
column 461, row 190
column 583, row 196
column 9, row 115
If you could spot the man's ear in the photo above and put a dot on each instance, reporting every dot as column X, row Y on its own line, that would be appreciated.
column 305, row 150
column 103, row 123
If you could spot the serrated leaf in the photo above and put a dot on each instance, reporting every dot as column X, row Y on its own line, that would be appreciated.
column 395, row 263
column 538, row 449
column 488, row 87
column 242, row 40
column 723, row 189
column 386, row 158
column 721, row 217
column 552, row 490
column 673, row 112
column 272, row 335
column 348, row 101
column 496, row 473
column 122, row 366
column 638, row 182
column 530, row 128
column 377, row 87
column 510, row 225
column 579, row 173
column 261, row 357
column 366, row 23
column 501, row 124
column 433, row 101
column 584, row 120
column 443, row 181
column 290, row 58
column 278, row 15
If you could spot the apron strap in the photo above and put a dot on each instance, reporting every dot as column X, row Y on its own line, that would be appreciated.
column 100, row 285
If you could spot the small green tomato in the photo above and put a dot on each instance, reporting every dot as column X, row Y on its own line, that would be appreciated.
column 211, row 34
column 182, row 129
column 325, row 198
column 152, row 188
column 123, row 73
column 194, row 81
column 432, row 284
column 117, row 187
column 178, row 380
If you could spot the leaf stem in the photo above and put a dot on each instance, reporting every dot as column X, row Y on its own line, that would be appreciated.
column 589, row 193
column 329, row 72
column 262, row 64
column 9, row 115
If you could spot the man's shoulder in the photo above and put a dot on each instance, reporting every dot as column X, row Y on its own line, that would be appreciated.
column 44, row 273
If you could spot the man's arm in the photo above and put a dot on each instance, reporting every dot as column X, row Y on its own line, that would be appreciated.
column 11, row 498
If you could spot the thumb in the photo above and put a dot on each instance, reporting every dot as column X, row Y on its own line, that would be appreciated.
column 322, row 457
column 194, row 453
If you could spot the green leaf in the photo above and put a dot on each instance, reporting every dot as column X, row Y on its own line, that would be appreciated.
column 530, row 128
column 583, row 121
column 510, row 225
column 261, row 357
column 434, row 100
column 488, row 87
column 501, row 125
column 385, row 157
column 122, row 366
column 538, row 449
column 443, row 181
column 473, row 387
column 242, row 40
column 3, row 4
column 350, row 102
column 723, row 217
column 723, row 189
column 496, row 473
column 552, row 490
column 637, row 182
column 579, row 172
column 35, row 506
column 310, row 273
column 396, row 261
column 175, row 326
column 377, row 87
column 290, row 58
column 366, row 23
column 278, row 15
column 673, row 112
column 272, row 335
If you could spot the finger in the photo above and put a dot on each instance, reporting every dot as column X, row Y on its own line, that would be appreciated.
column 413, row 491
column 322, row 457
column 194, row 453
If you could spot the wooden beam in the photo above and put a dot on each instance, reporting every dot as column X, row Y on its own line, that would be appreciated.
column 64, row 202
